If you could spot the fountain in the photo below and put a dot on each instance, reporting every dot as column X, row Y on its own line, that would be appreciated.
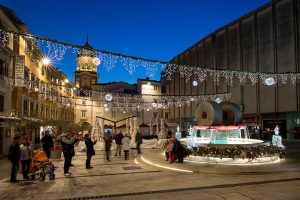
column 229, row 143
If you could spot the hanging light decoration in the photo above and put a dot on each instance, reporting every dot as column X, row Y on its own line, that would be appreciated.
column 108, row 97
column 154, row 105
column 218, row 100
column 270, row 81
column 195, row 83
column 96, row 61
column 106, row 109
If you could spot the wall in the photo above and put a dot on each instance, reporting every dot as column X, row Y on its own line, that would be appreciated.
column 265, row 40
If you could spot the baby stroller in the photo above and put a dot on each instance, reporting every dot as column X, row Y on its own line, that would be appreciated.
column 42, row 166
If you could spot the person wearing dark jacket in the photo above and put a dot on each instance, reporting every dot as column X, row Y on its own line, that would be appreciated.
column 118, row 140
column 14, row 156
column 89, row 150
column 47, row 141
column 68, row 150
column 179, row 151
column 108, row 142
column 138, row 141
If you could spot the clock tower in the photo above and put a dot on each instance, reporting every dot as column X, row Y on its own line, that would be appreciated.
column 86, row 72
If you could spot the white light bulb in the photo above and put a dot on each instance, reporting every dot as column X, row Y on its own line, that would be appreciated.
column 218, row 100
column 270, row 81
column 108, row 97
column 106, row 109
column 105, row 105
column 195, row 83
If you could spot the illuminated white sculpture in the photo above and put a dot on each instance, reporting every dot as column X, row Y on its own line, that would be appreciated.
column 277, row 139
column 178, row 134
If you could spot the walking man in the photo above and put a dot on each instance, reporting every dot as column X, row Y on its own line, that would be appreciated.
column 118, row 140
column 89, row 150
column 14, row 157
column 68, row 150
column 139, row 141
column 108, row 142
column 47, row 141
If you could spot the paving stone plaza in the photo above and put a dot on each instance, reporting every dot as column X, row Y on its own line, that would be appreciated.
column 135, row 179
column 200, row 99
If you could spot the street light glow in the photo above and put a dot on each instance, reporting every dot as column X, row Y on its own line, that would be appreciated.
column 45, row 61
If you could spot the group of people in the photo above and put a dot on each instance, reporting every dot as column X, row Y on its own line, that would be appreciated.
column 122, row 143
column 174, row 149
column 21, row 150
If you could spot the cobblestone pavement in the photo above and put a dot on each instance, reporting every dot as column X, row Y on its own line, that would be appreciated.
column 120, row 179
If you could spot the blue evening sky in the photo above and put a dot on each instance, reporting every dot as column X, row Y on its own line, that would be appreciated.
column 154, row 29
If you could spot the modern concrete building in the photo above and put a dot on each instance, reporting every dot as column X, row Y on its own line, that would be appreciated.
column 265, row 40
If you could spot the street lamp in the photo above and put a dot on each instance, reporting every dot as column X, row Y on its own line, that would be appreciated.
column 66, row 80
column 45, row 61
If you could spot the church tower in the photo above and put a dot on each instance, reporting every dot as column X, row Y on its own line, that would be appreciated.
column 86, row 73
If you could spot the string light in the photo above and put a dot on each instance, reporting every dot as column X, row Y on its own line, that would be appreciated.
column 130, row 63
column 195, row 83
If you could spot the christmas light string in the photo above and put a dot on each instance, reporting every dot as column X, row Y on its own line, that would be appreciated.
column 121, row 101
column 130, row 63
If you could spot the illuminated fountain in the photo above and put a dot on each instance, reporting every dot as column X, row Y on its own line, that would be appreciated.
column 229, row 143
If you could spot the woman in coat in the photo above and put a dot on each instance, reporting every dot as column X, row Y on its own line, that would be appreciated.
column 126, row 146
column 89, row 150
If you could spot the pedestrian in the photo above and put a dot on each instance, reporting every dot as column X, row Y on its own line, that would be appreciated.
column 68, row 142
column 14, row 156
column 169, row 135
column 73, row 134
column 126, row 146
column 47, row 142
column 171, row 148
column 108, row 142
column 138, row 141
column 118, row 140
column 26, row 156
column 89, row 150
column 179, row 151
